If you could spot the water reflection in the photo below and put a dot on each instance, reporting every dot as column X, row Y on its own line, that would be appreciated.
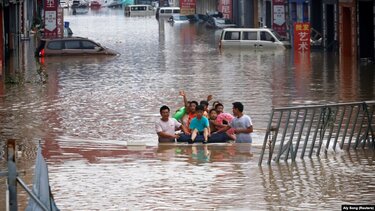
column 212, row 176
column 328, row 183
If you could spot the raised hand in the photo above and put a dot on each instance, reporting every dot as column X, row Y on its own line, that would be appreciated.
column 209, row 97
column 182, row 93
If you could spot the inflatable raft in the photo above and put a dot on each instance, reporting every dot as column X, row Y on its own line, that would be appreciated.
column 214, row 138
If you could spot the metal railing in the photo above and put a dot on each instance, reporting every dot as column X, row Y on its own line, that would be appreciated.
column 13, row 179
column 308, row 129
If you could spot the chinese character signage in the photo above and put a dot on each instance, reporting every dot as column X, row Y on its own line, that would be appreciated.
column 60, row 22
column 279, row 23
column 225, row 6
column 187, row 7
column 50, row 18
column 302, row 37
column 50, row 5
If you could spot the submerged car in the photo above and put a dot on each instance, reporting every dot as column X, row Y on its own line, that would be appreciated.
column 95, row 4
column 177, row 18
column 194, row 18
column 251, row 38
column 71, row 46
column 219, row 23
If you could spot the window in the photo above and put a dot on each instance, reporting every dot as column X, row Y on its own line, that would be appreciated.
column 176, row 11
column 276, row 35
column 88, row 44
column 265, row 36
column 168, row 11
column 55, row 45
column 249, row 35
column 72, row 44
column 232, row 36
column 140, row 8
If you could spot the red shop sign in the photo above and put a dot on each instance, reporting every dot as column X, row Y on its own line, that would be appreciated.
column 302, row 37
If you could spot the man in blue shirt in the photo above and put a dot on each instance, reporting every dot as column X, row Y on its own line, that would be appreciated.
column 199, row 125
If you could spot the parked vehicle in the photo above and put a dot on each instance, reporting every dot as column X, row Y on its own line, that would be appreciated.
column 79, row 4
column 197, row 18
column 113, row 3
column 139, row 10
column 95, row 4
column 166, row 11
column 176, row 18
column 75, row 3
column 251, row 38
column 80, row 10
column 63, row 4
column 80, row 7
column 219, row 23
column 71, row 46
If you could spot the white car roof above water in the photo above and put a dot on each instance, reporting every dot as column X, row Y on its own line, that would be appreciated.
column 169, row 7
column 247, row 29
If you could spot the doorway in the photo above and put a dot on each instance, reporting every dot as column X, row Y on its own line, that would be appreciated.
column 330, row 30
column 346, row 32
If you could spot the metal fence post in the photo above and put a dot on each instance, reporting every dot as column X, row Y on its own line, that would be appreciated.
column 12, row 175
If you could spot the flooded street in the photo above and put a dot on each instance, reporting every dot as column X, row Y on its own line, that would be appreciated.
column 95, row 119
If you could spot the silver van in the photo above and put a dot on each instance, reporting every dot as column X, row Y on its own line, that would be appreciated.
column 139, row 10
column 251, row 38
column 166, row 11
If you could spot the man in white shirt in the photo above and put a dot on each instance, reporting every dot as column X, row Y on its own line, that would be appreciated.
column 166, row 127
column 242, row 124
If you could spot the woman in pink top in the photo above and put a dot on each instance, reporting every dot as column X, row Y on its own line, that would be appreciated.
column 223, row 119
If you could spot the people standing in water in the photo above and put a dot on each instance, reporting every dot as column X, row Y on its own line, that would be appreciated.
column 166, row 127
column 222, row 117
column 212, row 114
column 222, row 120
column 190, row 108
column 199, row 126
column 204, row 103
column 215, row 103
column 242, row 124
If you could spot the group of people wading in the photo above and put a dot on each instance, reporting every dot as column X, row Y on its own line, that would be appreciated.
column 199, row 123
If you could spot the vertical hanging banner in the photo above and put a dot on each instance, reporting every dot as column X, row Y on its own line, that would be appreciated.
column 301, row 37
column 60, row 22
column 225, row 6
column 301, row 45
column 187, row 7
column 50, row 19
column 279, row 23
